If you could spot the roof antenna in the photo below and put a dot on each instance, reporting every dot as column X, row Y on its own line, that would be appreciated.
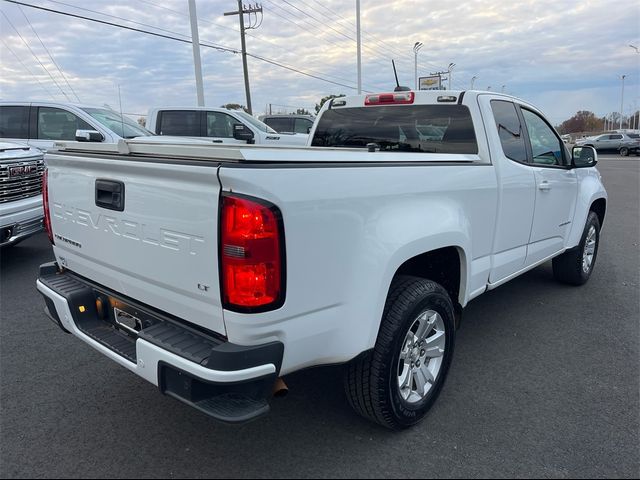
column 398, row 87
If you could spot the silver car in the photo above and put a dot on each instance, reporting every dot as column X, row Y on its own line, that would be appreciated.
column 620, row 142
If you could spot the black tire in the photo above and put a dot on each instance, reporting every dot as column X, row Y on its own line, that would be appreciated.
column 371, row 380
column 568, row 267
column 624, row 151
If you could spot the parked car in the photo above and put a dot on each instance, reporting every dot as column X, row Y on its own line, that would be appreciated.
column 289, row 123
column 21, row 215
column 219, row 125
column 566, row 138
column 210, row 272
column 620, row 142
column 41, row 124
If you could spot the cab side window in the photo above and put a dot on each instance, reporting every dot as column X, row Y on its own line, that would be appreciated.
column 546, row 147
column 220, row 125
column 58, row 124
column 510, row 130
column 14, row 122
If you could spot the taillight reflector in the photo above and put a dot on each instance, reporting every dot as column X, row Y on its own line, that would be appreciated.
column 45, row 205
column 251, row 253
column 390, row 98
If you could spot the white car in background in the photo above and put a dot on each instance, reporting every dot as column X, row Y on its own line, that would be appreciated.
column 41, row 124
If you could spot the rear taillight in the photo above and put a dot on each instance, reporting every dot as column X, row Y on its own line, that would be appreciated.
column 403, row 98
column 45, row 204
column 252, row 254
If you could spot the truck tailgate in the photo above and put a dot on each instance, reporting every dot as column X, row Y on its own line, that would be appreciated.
column 155, row 242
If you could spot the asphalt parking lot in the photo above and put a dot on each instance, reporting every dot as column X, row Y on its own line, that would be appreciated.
column 545, row 382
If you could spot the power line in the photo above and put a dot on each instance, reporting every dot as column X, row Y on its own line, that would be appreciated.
column 176, row 12
column 34, row 55
column 169, row 37
column 28, row 69
column 184, row 35
column 48, row 53
column 373, row 59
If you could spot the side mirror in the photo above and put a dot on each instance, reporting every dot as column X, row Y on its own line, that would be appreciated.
column 308, row 130
column 583, row 157
column 89, row 136
column 242, row 132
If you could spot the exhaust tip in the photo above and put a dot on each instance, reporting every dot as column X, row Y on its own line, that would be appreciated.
column 280, row 389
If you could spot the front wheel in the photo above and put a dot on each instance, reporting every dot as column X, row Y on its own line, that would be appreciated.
column 624, row 151
column 397, row 382
column 576, row 265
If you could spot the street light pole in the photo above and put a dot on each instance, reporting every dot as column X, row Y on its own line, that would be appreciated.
column 416, row 48
column 622, row 101
column 449, row 69
column 473, row 79
column 195, row 42
column 359, row 46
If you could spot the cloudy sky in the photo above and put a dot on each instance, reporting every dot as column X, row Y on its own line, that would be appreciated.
column 561, row 55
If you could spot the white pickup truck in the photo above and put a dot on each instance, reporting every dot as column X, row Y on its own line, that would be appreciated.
column 219, row 125
column 211, row 271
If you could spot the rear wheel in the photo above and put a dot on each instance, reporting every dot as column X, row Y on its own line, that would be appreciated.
column 624, row 151
column 397, row 382
column 576, row 265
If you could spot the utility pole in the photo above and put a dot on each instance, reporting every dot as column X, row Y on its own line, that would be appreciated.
column 473, row 80
column 241, row 13
column 195, row 42
column 359, row 46
column 622, row 101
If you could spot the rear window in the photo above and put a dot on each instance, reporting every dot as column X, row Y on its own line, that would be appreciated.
column 279, row 124
column 413, row 128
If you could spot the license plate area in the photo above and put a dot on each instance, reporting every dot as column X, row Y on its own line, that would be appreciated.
column 127, row 318
column 127, row 322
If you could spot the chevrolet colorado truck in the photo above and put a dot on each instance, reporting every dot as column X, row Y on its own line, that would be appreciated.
column 212, row 271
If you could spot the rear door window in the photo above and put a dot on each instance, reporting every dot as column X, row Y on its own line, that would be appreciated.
column 510, row 130
column 181, row 123
column 59, row 124
column 408, row 128
column 14, row 122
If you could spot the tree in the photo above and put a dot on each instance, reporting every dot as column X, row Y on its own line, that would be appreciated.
column 325, row 99
column 303, row 111
column 582, row 121
column 142, row 122
column 235, row 106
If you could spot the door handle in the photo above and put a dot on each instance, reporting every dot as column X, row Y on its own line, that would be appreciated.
column 544, row 186
column 110, row 194
column 216, row 141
